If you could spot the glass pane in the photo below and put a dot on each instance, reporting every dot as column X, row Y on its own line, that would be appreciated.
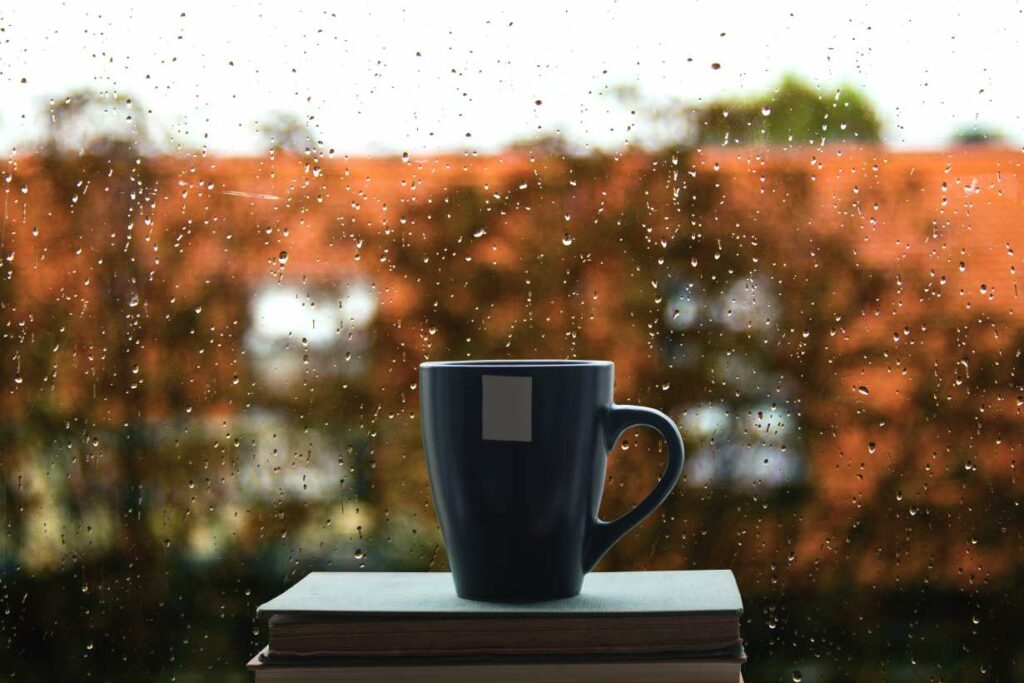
column 231, row 233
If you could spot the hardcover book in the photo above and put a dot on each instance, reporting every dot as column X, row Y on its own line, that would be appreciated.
column 348, row 614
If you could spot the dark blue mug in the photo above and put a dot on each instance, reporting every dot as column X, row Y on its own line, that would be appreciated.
column 516, row 453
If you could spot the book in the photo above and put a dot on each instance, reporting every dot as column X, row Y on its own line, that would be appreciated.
column 591, row 671
column 691, row 614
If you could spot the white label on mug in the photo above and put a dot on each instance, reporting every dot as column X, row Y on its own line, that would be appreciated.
column 507, row 408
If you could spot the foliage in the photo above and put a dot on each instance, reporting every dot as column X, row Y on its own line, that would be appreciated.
column 978, row 135
column 106, row 125
column 793, row 112
column 288, row 132
column 143, row 429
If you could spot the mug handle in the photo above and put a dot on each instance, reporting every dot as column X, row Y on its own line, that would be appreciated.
column 602, row 535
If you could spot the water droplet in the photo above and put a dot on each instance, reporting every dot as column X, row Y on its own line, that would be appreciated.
column 863, row 390
column 133, row 301
column 871, row 446
column 566, row 239
column 766, row 111
column 797, row 677
column 359, row 554
column 432, row 330
column 625, row 444
column 282, row 258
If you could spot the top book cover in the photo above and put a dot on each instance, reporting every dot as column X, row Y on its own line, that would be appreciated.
column 426, row 593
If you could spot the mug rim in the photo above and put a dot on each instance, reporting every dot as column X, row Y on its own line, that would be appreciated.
column 517, row 363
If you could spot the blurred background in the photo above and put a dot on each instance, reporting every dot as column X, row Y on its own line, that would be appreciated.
column 230, row 234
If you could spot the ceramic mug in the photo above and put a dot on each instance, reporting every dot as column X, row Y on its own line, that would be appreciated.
column 516, row 453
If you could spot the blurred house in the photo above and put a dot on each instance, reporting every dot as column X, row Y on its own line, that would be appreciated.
column 730, row 286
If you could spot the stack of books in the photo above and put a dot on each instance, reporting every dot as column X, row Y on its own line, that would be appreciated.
column 640, row 627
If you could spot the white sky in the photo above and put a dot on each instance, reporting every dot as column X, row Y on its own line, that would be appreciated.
column 930, row 67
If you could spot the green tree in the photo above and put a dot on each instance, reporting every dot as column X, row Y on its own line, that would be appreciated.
column 793, row 112
column 977, row 135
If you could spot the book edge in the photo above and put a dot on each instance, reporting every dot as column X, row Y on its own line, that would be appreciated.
column 501, row 609
column 263, row 659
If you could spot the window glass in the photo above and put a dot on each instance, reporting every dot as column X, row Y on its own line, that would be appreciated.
column 230, row 233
